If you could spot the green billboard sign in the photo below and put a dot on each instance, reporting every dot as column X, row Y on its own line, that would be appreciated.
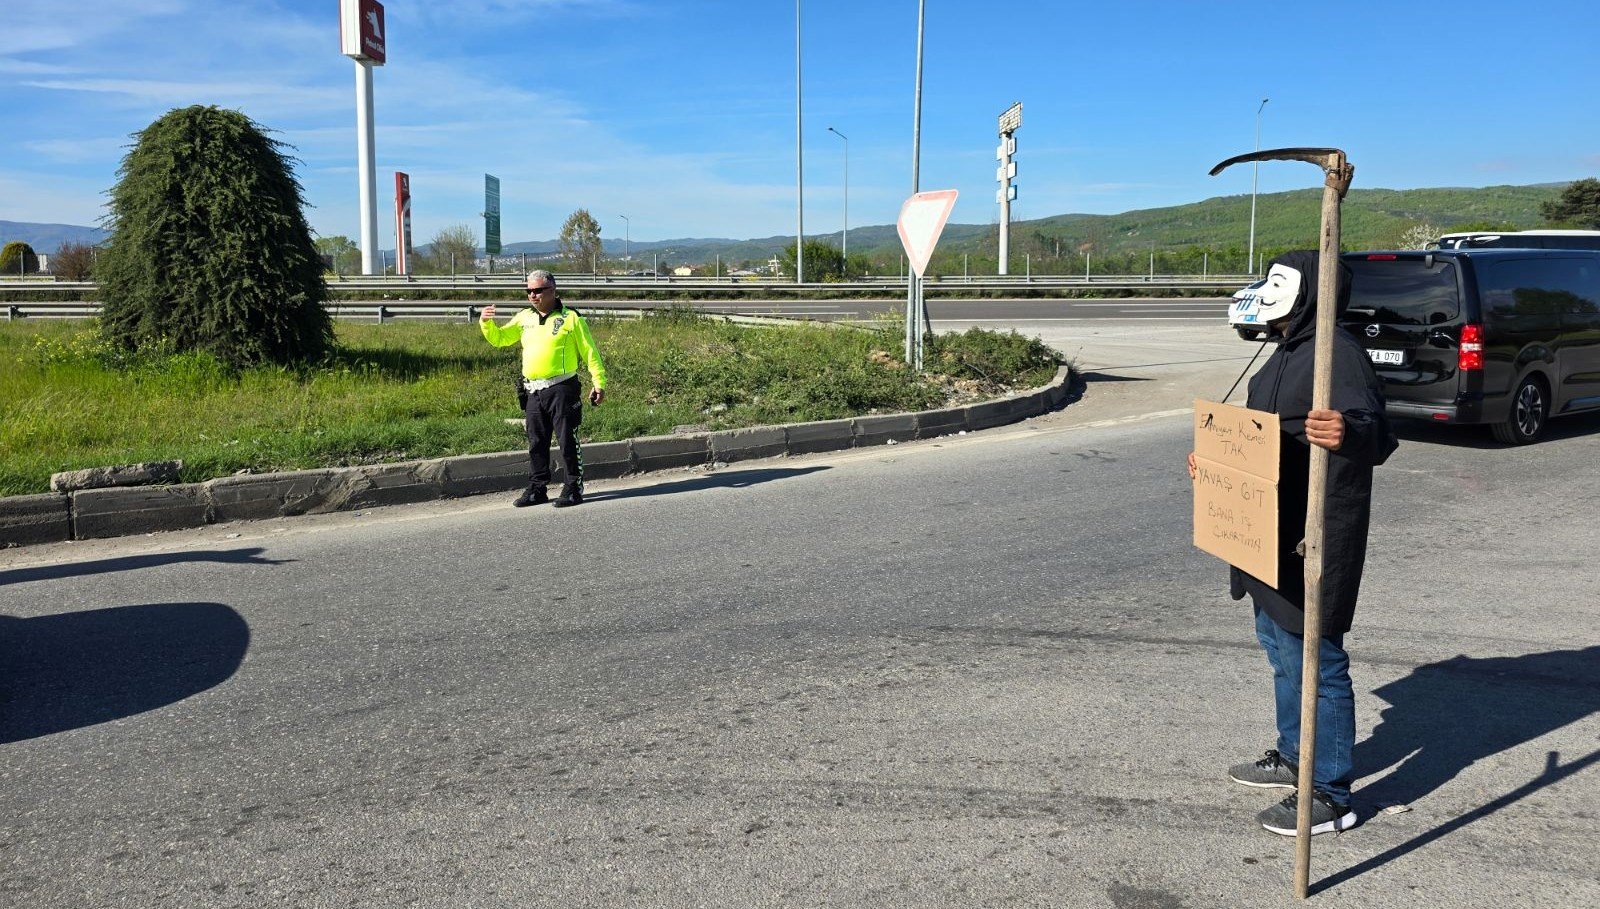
column 491, row 214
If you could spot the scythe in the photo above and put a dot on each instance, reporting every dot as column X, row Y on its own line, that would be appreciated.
column 1337, row 172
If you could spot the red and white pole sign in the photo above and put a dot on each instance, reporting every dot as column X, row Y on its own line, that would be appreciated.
column 361, row 31
column 922, row 220
column 402, row 223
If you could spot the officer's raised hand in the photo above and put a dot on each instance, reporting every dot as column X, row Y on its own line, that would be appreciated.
column 487, row 314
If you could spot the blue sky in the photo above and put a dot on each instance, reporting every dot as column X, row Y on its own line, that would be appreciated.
column 680, row 114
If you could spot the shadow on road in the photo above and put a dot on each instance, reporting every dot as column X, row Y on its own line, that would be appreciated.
column 724, row 479
column 76, row 669
column 251, row 556
column 1082, row 380
column 1446, row 716
column 1479, row 437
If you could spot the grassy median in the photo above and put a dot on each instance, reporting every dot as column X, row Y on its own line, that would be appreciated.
column 412, row 390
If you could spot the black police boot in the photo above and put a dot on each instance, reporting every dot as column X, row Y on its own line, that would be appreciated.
column 533, row 495
column 571, row 494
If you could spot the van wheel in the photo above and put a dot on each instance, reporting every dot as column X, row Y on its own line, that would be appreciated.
column 1249, row 334
column 1530, row 409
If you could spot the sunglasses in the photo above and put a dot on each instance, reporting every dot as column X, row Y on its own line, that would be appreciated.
column 540, row 290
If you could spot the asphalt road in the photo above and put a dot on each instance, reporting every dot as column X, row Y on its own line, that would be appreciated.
column 983, row 670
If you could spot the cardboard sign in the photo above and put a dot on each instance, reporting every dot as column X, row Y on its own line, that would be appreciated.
column 1236, row 489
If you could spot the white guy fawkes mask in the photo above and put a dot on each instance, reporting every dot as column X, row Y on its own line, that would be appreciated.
column 1280, row 293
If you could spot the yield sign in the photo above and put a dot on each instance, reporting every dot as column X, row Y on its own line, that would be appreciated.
column 922, row 219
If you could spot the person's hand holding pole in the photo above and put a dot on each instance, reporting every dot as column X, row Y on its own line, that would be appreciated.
column 1325, row 428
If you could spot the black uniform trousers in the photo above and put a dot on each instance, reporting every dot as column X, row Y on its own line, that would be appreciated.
column 557, row 411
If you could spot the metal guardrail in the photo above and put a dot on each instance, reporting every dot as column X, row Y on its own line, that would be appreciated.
column 370, row 311
column 501, row 282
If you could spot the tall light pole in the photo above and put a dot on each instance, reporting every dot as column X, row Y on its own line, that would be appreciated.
column 627, row 235
column 799, row 165
column 914, row 303
column 1255, row 168
column 845, row 241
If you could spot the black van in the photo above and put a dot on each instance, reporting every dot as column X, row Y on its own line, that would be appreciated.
column 1507, row 337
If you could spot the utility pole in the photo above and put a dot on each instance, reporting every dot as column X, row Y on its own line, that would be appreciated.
column 799, row 164
column 913, row 281
column 1255, row 169
column 844, row 241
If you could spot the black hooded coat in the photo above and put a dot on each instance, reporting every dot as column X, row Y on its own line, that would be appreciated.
column 1283, row 387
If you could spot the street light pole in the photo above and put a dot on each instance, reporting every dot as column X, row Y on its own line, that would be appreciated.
column 799, row 165
column 914, row 302
column 845, row 241
column 1255, row 168
column 627, row 235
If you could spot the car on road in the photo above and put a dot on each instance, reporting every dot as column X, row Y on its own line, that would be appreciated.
column 1507, row 337
column 1522, row 239
column 1244, row 313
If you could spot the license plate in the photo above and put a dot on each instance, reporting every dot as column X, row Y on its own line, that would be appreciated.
column 1388, row 357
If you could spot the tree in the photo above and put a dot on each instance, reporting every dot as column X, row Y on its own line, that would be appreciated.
column 73, row 261
column 1418, row 236
column 453, row 247
column 341, row 253
column 580, row 240
column 209, row 246
column 1579, row 206
column 823, row 262
column 18, row 258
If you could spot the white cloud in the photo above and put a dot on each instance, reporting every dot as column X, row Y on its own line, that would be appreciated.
column 226, row 94
column 105, row 148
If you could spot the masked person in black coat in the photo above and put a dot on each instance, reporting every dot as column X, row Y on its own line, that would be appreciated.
column 1356, row 433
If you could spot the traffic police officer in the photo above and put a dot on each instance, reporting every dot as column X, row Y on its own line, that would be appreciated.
column 555, row 341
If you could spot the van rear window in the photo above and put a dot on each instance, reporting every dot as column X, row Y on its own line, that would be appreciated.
column 1403, row 291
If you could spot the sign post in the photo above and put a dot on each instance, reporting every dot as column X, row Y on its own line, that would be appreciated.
column 491, row 215
column 361, row 38
column 1337, row 173
column 922, row 219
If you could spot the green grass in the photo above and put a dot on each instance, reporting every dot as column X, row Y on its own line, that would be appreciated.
column 415, row 390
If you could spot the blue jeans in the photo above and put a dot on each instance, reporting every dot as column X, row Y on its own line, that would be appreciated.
column 1336, row 704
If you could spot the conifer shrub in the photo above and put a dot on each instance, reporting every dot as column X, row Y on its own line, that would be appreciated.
column 209, row 249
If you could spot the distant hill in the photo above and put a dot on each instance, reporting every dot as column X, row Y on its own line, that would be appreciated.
column 47, row 238
column 1373, row 218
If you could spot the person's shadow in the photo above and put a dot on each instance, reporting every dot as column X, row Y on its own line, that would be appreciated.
column 76, row 669
column 251, row 555
column 1446, row 716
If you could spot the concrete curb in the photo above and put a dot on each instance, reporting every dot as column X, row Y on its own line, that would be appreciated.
column 119, row 511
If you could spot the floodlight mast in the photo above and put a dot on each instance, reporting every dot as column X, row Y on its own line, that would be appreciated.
column 1009, row 123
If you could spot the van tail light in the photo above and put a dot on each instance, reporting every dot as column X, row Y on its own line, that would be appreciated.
column 1382, row 257
column 1470, row 359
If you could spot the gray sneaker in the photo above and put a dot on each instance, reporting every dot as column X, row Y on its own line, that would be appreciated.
column 1271, row 772
column 1327, row 816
